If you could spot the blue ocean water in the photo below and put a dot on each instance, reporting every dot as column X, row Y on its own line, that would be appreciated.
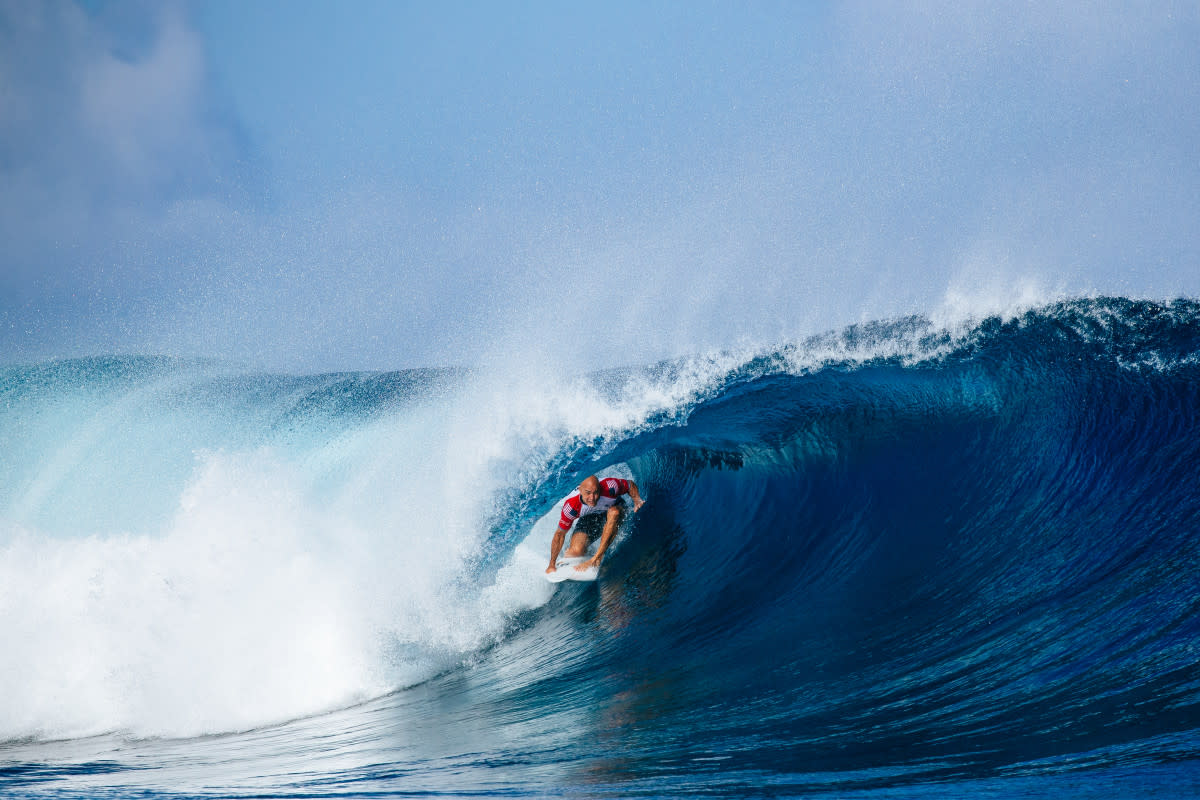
column 904, row 559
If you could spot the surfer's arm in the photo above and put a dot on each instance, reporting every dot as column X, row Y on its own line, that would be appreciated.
column 555, row 547
column 635, row 496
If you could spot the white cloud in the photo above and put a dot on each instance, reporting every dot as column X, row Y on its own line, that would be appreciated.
column 113, row 153
column 145, row 116
column 92, row 127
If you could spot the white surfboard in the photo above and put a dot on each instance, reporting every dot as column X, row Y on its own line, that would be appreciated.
column 564, row 570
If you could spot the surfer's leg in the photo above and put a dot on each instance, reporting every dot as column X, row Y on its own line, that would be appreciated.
column 585, row 531
column 578, row 546
column 611, row 522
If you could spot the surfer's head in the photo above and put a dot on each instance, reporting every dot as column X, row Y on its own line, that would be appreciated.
column 589, row 490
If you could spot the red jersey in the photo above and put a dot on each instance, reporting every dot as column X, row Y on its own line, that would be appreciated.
column 573, row 508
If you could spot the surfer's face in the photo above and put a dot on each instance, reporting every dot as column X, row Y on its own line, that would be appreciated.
column 589, row 493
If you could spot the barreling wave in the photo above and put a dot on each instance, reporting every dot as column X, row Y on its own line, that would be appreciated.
column 894, row 554
column 978, row 561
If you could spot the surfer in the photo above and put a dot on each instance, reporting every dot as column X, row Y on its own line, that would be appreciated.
column 596, row 503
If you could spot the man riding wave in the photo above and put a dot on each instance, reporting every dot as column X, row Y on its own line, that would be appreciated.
column 597, row 502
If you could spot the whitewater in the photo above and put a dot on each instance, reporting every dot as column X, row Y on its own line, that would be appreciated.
column 907, row 558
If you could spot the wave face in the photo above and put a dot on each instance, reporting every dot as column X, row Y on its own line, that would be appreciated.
column 899, row 559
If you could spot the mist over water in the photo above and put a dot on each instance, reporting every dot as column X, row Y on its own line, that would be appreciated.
column 635, row 183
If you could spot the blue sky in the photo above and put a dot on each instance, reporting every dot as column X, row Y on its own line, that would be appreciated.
column 377, row 185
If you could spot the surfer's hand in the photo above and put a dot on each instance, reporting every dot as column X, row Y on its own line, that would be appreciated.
column 551, row 568
column 638, row 503
column 580, row 567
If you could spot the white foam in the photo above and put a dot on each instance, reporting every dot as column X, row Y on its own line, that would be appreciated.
column 295, row 578
column 991, row 281
column 236, row 616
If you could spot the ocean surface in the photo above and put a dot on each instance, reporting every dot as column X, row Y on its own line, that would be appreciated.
column 907, row 559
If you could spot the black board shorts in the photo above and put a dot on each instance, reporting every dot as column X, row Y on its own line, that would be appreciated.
column 592, row 525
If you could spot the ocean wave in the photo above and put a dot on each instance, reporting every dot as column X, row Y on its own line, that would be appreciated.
column 901, row 551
